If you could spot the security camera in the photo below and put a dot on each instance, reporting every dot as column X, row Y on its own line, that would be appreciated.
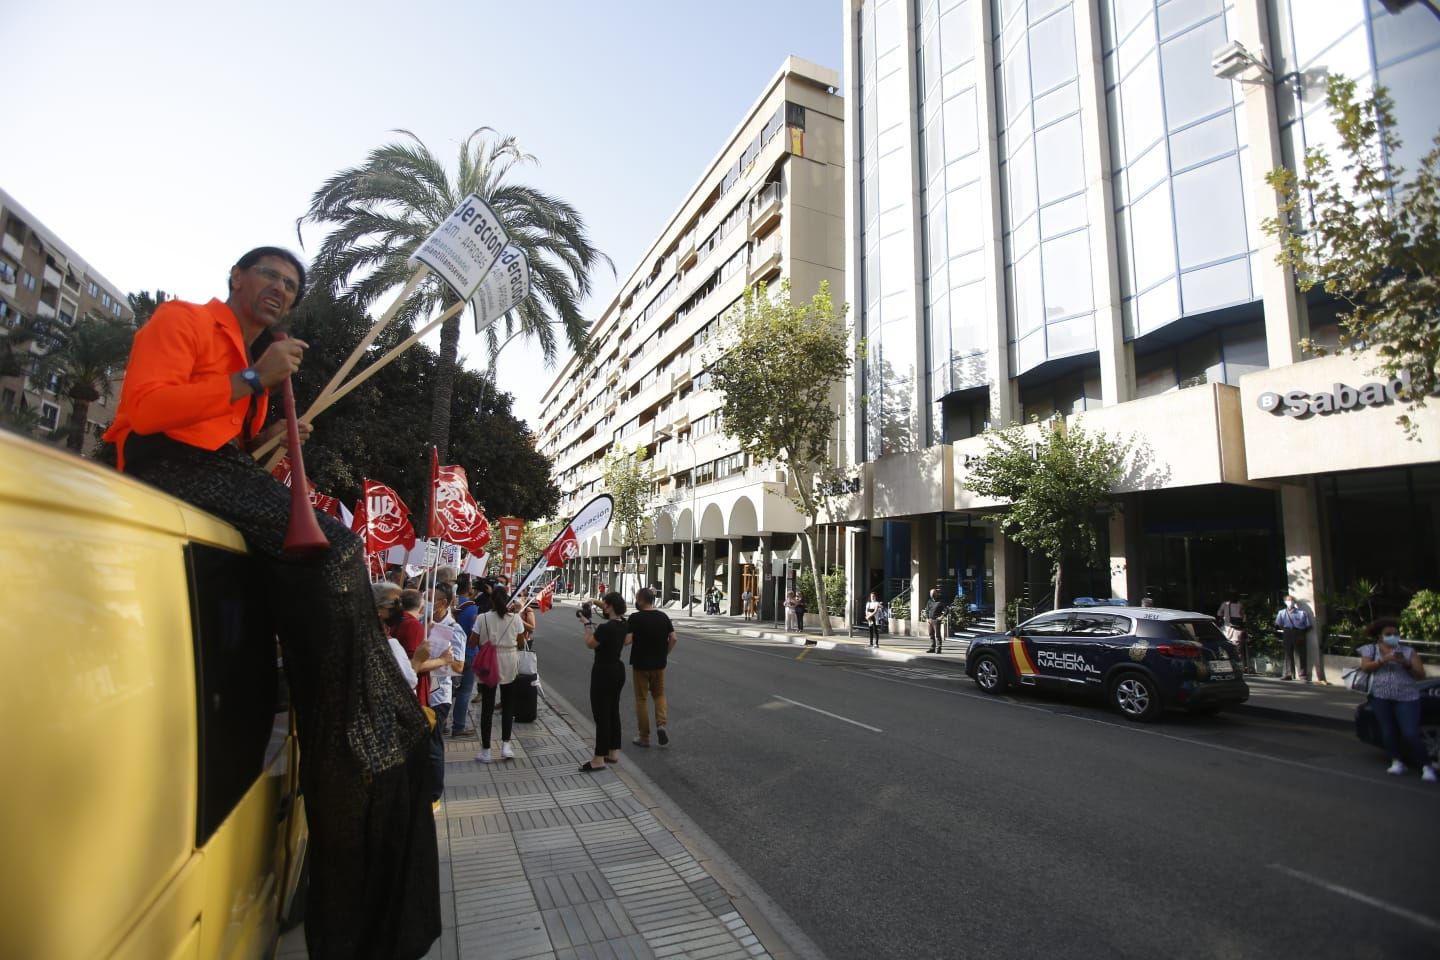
column 1234, row 60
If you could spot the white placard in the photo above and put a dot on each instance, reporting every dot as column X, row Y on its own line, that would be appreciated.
column 464, row 247
column 507, row 283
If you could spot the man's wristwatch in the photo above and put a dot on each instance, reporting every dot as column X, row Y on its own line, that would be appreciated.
column 252, row 380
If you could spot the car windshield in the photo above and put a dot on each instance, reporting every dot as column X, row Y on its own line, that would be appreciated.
column 1203, row 631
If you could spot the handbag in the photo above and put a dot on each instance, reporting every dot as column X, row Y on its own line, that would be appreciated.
column 487, row 660
column 527, row 662
column 1357, row 679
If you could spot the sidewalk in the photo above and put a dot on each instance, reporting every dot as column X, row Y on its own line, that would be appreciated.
column 538, row 860
column 1328, row 706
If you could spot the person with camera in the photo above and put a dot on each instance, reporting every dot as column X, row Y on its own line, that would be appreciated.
column 1394, row 667
column 607, row 675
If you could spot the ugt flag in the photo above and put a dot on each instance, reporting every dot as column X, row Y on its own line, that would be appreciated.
column 454, row 517
column 382, row 518
column 547, row 598
column 591, row 519
column 318, row 500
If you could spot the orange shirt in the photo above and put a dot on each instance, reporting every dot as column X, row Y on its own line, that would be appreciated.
column 178, row 379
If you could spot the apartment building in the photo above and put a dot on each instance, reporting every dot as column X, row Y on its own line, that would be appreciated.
column 1054, row 209
column 42, row 278
column 768, row 207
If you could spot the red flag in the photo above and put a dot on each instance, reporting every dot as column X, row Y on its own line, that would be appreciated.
column 322, row 502
column 511, row 529
column 566, row 547
column 546, row 598
column 382, row 518
column 591, row 519
column 453, row 514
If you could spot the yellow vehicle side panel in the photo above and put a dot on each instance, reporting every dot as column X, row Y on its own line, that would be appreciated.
column 98, row 714
column 171, row 926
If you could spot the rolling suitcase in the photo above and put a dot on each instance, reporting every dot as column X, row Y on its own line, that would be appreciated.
column 527, row 697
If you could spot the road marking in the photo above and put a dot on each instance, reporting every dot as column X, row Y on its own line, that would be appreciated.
column 836, row 716
column 804, row 653
column 1416, row 918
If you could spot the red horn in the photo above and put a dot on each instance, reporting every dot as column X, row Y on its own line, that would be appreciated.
column 303, row 535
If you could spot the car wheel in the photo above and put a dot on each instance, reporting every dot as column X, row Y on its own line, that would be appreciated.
column 987, row 673
column 1136, row 696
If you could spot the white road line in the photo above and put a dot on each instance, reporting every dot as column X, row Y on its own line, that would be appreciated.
column 836, row 716
column 1413, row 917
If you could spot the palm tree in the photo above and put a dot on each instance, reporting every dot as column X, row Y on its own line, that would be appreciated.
column 383, row 209
column 86, row 359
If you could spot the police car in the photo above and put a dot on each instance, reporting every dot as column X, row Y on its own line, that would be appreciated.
column 1142, row 659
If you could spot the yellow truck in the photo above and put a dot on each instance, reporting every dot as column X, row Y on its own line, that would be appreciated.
column 151, row 805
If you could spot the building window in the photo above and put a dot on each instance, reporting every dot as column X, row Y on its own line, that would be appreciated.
column 49, row 415
column 67, row 317
column 104, row 299
column 92, row 288
column 7, row 273
column 115, row 309
column 27, row 280
column 7, row 399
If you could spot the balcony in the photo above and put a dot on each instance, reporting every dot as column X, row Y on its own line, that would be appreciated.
column 44, row 311
column 765, row 258
column 764, row 208
column 51, row 276
column 680, row 378
column 685, row 253
column 12, row 247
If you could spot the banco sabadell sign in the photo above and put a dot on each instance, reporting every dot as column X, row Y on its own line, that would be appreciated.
column 1341, row 397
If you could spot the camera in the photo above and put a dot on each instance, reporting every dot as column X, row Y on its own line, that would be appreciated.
column 586, row 611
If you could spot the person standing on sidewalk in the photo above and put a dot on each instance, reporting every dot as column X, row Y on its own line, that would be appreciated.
column 501, row 628
column 792, row 602
column 447, row 644
column 935, row 613
column 466, row 610
column 1231, row 617
column 1394, row 668
column 607, row 678
column 872, row 618
column 652, row 638
column 747, row 600
column 1294, row 622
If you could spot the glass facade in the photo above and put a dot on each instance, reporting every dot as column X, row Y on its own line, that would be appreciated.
column 948, row 55
column 886, row 232
column 1049, row 279
column 1184, row 235
column 962, row 101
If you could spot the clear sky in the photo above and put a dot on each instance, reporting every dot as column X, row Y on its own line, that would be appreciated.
column 160, row 140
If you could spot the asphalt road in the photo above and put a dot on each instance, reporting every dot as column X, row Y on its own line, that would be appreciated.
column 895, row 811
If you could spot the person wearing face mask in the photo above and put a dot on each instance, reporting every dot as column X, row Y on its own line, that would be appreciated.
column 447, row 645
column 387, row 607
column 1394, row 668
column 1294, row 623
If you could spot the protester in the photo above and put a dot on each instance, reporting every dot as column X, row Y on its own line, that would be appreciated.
column 652, row 639
column 387, row 606
column 1394, row 668
column 447, row 645
column 935, row 614
column 792, row 603
column 872, row 617
column 1294, row 623
column 607, row 678
column 466, row 610
column 191, row 408
column 500, row 628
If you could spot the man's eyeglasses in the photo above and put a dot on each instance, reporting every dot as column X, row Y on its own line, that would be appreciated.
column 275, row 276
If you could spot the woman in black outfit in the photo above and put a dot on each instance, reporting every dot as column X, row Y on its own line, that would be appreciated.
column 607, row 679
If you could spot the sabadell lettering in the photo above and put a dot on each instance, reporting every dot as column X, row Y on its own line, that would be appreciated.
column 1342, row 397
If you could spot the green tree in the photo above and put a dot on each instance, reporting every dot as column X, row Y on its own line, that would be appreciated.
column 777, row 374
column 86, row 359
column 534, row 538
column 382, row 210
column 378, row 430
column 1364, row 235
column 143, row 303
column 628, row 479
column 1056, row 484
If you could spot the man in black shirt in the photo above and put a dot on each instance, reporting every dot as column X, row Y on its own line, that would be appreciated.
column 654, row 638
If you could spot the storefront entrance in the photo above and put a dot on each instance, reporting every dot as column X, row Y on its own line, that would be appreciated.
column 1203, row 543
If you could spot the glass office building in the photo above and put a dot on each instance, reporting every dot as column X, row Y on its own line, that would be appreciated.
column 1055, row 209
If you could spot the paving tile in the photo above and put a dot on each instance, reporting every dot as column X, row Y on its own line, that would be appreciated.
column 549, row 863
column 494, row 901
column 536, row 819
column 587, row 923
column 511, row 938
column 628, row 948
column 567, row 889
column 584, row 794
column 591, row 812
column 553, row 838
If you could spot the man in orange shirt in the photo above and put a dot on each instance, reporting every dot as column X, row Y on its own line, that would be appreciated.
column 192, row 406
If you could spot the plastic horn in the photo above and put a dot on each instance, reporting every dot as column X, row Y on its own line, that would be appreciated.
column 303, row 534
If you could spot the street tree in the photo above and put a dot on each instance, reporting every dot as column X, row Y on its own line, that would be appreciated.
column 85, row 360
column 1057, row 484
column 1353, row 227
column 380, row 211
column 779, row 363
column 629, row 480
column 144, row 303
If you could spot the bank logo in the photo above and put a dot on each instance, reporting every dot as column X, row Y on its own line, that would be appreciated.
column 1341, row 397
